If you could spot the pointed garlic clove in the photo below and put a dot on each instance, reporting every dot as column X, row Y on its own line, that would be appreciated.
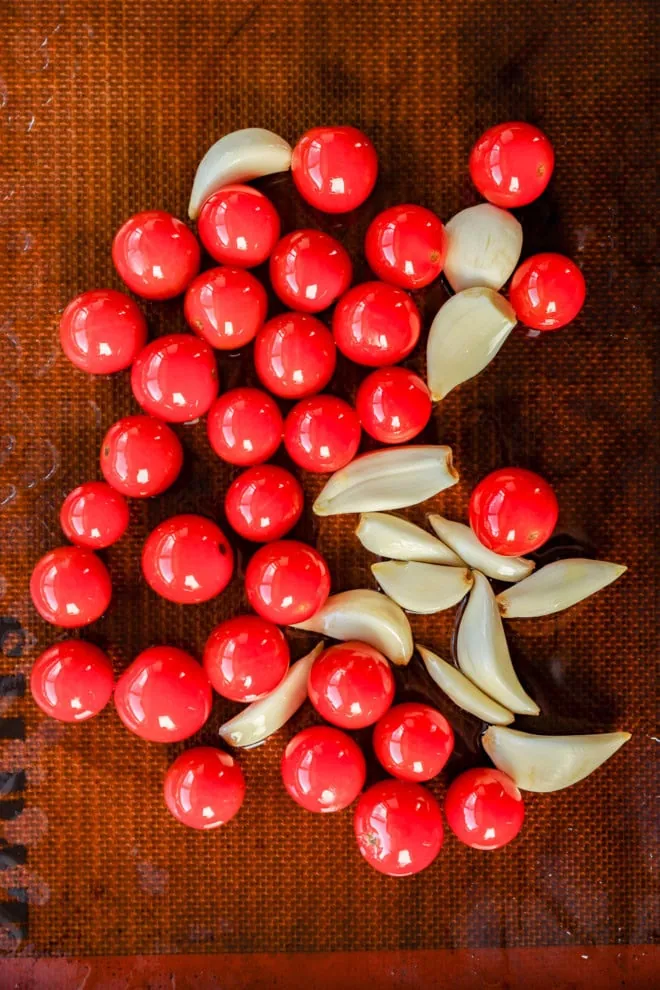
column 391, row 478
column 397, row 539
column 549, row 763
column 238, row 157
column 557, row 586
column 483, row 247
column 466, row 334
column 367, row 616
column 422, row 588
column 462, row 691
column 463, row 542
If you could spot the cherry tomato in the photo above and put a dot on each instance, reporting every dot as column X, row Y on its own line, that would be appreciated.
column 187, row 559
column 246, row 658
column 484, row 808
column 393, row 404
column 287, row 582
column 204, row 788
column 140, row 456
column 102, row 331
column 351, row 685
column 164, row 695
column 323, row 769
column 309, row 270
column 94, row 515
column 334, row 168
column 70, row 587
column 175, row 378
column 226, row 307
column 398, row 827
column 547, row 291
column 72, row 681
column 513, row 511
column 376, row 324
column 156, row 255
column 322, row 433
column 245, row 426
column 406, row 246
column 264, row 503
column 295, row 355
column 413, row 741
column 511, row 164
column 239, row 226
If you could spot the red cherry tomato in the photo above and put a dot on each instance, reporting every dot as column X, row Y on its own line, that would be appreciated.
column 140, row 456
column 175, row 378
column 245, row 426
column 295, row 355
column 334, row 168
column 164, row 695
column 547, row 291
column 309, row 270
column 226, row 307
column 351, row 685
column 264, row 503
column 323, row 769
column 513, row 511
column 376, row 324
column 239, row 226
column 94, row 515
column 398, row 827
column 156, row 255
column 393, row 404
column 72, row 681
column 70, row 587
column 102, row 331
column 413, row 741
column 322, row 433
column 187, row 559
column 484, row 808
column 406, row 246
column 287, row 582
column 511, row 164
column 204, row 788
column 246, row 658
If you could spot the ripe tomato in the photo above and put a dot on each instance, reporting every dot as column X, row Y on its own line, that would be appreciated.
column 140, row 456
column 376, row 324
column 398, row 827
column 156, row 255
column 295, row 355
column 393, row 404
column 94, row 515
column 246, row 658
column 547, row 291
column 406, row 246
column 187, row 559
column 70, row 587
column 413, row 741
column 334, row 168
column 264, row 503
column 204, row 788
column 239, row 226
column 226, row 307
column 102, row 331
column 175, row 378
column 513, row 511
column 322, row 433
column 309, row 270
column 351, row 685
column 287, row 581
column 484, row 808
column 72, row 681
column 323, row 769
column 245, row 426
column 511, row 164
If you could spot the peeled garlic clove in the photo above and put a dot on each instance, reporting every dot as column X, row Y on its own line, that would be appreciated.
column 422, row 588
column 238, row 157
column 397, row 539
column 549, row 763
column 462, row 691
column 466, row 334
column 557, row 586
column 367, row 616
column 462, row 540
column 391, row 478
column 483, row 247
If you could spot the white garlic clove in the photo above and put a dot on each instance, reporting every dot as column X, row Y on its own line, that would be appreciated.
column 483, row 247
column 463, row 542
column 422, row 588
column 397, row 539
column 557, row 586
column 462, row 691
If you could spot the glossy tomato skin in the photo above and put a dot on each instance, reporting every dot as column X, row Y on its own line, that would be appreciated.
column 72, row 681
column 413, row 741
column 264, row 503
column 406, row 246
column 225, row 307
column 334, row 168
column 376, row 324
column 140, row 456
column 204, row 788
column 102, row 331
column 323, row 769
column 484, row 808
column 156, row 255
column 547, row 291
column 187, row 559
column 175, row 378
column 70, row 587
column 322, row 434
column 513, row 511
column 246, row 658
column 94, row 515
column 511, row 164
column 309, row 270
column 398, row 827
column 394, row 405
column 295, row 355
column 351, row 685
column 164, row 695
column 287, row 582
column 245, row 426
column 239, row 226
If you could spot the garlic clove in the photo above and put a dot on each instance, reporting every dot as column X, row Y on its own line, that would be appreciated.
column 462, row 691
column 397, row 539
column 463, row 542
column 422, row 588
column 557, row 586
column 483, row 247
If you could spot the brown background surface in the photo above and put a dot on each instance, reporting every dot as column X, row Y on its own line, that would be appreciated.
column 106, row 108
